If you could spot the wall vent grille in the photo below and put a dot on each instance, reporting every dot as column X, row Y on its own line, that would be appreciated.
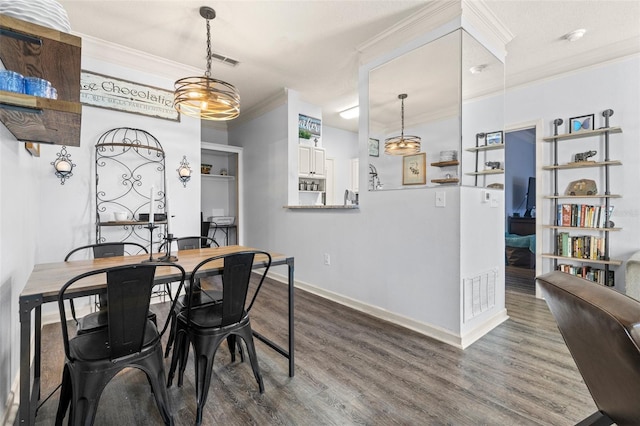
column 479, row 293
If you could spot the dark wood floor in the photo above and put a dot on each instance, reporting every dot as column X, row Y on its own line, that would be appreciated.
column 352, row 369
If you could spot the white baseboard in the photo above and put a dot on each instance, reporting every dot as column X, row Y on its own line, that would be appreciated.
column 495, row 320
column 417, row 326
column 13, row 403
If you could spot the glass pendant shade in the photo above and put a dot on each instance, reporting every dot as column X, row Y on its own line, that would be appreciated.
column 205, row 97
column 403, row 144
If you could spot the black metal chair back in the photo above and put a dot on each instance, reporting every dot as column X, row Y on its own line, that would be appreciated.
column 110, row 249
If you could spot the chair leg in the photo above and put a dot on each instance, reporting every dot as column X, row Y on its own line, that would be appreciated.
column 177, row 354
column 87, row 389
column 65, row 396
column 172, row 333
column 247, row 336
column 204, row 348
column 154, row 370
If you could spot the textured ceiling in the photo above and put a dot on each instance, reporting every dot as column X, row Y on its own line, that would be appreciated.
column 311, row 46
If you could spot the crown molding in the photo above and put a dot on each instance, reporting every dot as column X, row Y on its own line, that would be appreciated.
column 596, row 58
column 117, row 54
column 432, row 16
column 492, row 32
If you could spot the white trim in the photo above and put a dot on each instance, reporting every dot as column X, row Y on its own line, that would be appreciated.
column 261, row 108
column 13, row 402
column 135, row 59
column 210, row 146
column 437, row 333
column 472, row 336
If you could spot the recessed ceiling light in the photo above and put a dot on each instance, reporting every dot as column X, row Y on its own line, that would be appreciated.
column 477, row 69
column 350, row 113
column 575, row 35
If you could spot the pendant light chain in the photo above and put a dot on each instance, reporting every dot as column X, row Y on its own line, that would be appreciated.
column 207, row 73
column 402, row 120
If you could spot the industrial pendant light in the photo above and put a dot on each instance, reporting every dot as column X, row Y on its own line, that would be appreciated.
column 205, row 97
column 403, row 144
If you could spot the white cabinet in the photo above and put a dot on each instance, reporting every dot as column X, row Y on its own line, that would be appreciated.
column 311, row 162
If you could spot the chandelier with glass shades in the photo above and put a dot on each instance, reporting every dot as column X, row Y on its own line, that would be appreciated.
column 205, row 97
column 403, row 144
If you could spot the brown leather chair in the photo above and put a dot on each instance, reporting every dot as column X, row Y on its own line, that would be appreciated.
column 601, row 328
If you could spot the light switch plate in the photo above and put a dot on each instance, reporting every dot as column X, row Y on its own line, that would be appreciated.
column 441, row 199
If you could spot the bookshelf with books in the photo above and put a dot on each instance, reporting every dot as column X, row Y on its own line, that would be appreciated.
column 581, row 222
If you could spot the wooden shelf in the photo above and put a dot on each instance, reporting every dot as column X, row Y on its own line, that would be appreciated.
column 580, row 228
column 583, row 196
column 446, row 163
column 221, row 177
column 486, row 147
column 37, row 51
column 584, row 164
column 131, row 222
column 577, row 259
column 445, row 180
column 582, row 134
column 486, row 172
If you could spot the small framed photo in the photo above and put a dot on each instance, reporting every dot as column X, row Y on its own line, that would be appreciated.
column 414, row 171
column 581, row 124
column 374, row 147
column 494, row 138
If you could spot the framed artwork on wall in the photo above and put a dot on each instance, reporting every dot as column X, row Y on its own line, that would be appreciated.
column 581, row 124
column 414, row 171
column 494, row 138
column 374, row 147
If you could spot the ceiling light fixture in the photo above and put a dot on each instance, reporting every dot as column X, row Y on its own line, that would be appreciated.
column 575, row 35
column 205, row 97
column 477, row 69
column 403, row 144
column 350, row 113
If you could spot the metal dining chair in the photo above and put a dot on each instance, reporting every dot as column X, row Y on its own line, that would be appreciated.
column 129, row 339
column 205, row 326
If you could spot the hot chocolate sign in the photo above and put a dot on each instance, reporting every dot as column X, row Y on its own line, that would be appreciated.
column 122, row 95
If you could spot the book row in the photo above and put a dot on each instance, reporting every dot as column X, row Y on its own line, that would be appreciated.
column 596, row 275
column 582, row 246
column 583, row 215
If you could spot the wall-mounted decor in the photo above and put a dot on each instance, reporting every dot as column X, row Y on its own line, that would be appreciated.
column 122, row 95
column 184, row 171
column 414, row 170
column 494, row 138
column 63, row 165
column 309, row 130
column 374, row 147
column 581, row 124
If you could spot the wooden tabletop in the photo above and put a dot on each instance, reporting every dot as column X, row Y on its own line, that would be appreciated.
column 46, row 279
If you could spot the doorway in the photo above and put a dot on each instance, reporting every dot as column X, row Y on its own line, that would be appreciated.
column 520, row 201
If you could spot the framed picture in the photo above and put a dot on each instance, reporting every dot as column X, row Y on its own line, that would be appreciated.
column 414, row 170
column 374, row 147
column 494, row 138
column 581, row 124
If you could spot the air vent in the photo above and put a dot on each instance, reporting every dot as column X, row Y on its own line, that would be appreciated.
column 225, row 60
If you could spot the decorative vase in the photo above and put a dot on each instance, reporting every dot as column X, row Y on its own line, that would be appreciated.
column 48, row 13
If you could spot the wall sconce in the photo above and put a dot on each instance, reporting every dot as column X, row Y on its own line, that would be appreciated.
column 184, row 171
column 63, row 165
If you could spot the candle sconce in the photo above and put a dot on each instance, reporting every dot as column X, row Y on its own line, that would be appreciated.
column 184, row 171
column 63, row 165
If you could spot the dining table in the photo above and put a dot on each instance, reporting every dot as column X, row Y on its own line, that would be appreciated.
column 46, row 279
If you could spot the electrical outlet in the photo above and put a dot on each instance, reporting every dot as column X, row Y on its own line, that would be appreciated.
column 327, row 259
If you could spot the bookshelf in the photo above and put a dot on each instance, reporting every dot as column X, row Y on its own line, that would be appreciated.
column 581, row 224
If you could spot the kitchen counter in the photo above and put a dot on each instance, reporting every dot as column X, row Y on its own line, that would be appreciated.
column 332, row 207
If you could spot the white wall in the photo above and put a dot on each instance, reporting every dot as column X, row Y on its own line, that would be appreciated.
column 591, row 91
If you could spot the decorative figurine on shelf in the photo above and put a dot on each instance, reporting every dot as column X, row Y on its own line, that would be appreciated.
column 493, row 165
column 581, row 157
column 582, row 187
